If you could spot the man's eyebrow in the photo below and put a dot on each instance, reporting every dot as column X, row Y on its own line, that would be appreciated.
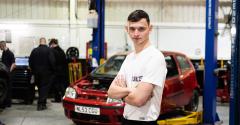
column 137, row 26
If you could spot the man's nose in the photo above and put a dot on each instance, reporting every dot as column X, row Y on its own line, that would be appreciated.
column 136, row 32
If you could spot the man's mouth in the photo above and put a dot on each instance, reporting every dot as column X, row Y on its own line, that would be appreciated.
column 136, row 38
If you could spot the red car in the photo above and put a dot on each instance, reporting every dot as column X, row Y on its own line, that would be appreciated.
column 86, row 101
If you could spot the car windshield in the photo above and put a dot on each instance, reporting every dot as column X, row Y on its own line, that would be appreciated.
column 111, row 66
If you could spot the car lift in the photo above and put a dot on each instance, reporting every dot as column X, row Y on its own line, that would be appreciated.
column 210, row 117
column 209, row 114
column 210, row 80
column 182, row 118
column 98, row 33
column 235, row 65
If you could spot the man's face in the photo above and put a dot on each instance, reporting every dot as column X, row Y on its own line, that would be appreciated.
column 42, row 41
column 139, row 31
column 53, row 45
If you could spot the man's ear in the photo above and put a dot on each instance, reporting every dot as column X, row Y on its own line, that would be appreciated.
column 150, row 28
column 126, row 28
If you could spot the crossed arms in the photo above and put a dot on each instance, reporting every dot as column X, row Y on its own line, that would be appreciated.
column 137, row 96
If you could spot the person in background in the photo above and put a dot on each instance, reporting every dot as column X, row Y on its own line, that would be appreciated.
column 42, row 64
column 9, row 60
column 60, row 81
column 141, row 79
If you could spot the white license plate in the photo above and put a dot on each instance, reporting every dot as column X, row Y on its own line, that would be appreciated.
column 87, row 110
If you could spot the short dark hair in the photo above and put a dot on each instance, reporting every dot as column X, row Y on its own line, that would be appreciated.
column 138, row 15
column 53, row 41
column 3, row 43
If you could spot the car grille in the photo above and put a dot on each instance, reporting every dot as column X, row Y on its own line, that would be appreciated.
column 93, row 97
column 92, row 118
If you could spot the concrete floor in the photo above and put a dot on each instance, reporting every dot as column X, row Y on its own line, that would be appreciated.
column 20, row 114
column 222, row 110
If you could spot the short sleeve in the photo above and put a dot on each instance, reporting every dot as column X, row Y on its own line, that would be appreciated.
column 155, row 71
column 122, row 69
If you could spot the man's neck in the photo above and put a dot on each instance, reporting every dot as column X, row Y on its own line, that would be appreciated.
column 139, row 48
column 42, row 44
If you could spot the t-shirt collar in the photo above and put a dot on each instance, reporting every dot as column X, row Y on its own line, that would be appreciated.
column 143, row 51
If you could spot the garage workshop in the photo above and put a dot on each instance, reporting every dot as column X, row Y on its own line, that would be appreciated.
column 119, row 62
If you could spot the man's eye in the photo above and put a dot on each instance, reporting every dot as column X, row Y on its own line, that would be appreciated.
column 132, row 29
column 141, row 29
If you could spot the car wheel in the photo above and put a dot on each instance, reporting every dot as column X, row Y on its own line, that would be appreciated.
column 193, row 104
column 3, row 90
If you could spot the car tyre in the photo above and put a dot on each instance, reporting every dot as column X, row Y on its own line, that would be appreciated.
column 193, row 104
column 3, row 89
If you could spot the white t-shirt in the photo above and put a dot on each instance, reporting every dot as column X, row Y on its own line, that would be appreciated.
column 147, row 66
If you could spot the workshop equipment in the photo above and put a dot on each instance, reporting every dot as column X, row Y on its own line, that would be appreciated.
column 181, row 117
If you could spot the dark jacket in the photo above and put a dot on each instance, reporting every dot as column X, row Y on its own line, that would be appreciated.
column 61, row 61
column 8, row 58
column 42, row 60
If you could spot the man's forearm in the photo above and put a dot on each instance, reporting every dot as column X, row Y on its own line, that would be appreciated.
column 131, row 100
column 140, row 95
column 118, row 92
column 12, row 67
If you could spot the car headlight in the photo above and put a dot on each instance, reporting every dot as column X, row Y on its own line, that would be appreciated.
column 110, row 100
column 71, row 93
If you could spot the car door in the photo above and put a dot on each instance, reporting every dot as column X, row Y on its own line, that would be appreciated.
column 186, row 77
column 173, row 87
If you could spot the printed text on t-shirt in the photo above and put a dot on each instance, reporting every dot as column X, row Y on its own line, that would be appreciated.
column 136, row 78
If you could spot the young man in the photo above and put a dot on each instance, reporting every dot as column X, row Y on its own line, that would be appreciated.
column 8, row 59
column 42, row 64
column 141, row 78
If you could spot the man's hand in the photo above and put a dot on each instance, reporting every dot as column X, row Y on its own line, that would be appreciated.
column 120, row 81
column 118, row 88
column 140, row 95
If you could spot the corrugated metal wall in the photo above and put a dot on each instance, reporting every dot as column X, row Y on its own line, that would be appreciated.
column 162, row 11
column 179, row 11
column 33, row 9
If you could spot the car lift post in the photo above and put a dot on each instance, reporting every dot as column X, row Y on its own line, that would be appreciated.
column 98, row 33
column 235, row 65
column 210, row 80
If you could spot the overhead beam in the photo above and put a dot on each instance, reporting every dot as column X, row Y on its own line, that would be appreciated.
column 176, row 2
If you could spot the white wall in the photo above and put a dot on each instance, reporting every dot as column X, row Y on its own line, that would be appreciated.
column 26, row 36
column 190, row 39
column 31, row 19
column 185, row 38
